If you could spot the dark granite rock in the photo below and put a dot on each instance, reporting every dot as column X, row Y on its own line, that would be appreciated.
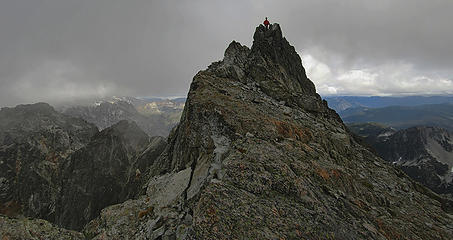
column 101, row 174
column 34, row 229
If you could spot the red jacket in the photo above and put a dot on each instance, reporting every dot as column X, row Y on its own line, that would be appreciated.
column 266, row 22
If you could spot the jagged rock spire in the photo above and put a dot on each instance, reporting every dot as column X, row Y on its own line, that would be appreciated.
column 274, row 65
column 280, row 56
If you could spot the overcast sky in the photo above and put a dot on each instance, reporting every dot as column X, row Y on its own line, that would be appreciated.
column 53, row 50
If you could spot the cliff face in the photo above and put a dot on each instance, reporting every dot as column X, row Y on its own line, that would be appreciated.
column 424, row 153
column 433, row 166
column 259, row 155
column 35, row 141
column 100, row 174
column 63, row 170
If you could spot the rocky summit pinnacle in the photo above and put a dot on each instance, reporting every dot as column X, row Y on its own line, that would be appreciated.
column 273, row 65
column 274, row 48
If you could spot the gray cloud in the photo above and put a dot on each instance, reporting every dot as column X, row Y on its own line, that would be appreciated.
column 53, row 50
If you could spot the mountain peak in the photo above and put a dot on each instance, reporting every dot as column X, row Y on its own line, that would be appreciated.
column 256, row 142
column 280, row 58
column 273, row 65
column 273, row 33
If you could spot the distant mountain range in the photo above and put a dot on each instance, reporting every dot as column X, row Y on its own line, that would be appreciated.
column 155, row 116
column 397, row 112
column 400, row 117
column 341, row 103
column 424, row 153
column 414, row 133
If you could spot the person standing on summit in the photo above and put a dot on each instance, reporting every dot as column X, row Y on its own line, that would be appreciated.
column 266, row 23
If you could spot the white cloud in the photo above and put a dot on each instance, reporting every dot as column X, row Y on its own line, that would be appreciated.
column 393, row 78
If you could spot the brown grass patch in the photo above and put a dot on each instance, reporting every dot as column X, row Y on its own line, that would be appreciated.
column 52, row 157
column 10, row 209
column 335, row 173
column 289, row 130
column 146, row 212
column 358, row 203
column 326, row 174
column 387, row 231
column 212, row 215
column 323, row 173
column 274, row 211
column 241, row 150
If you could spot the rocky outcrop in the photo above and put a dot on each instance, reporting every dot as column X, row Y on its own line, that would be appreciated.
column 273, row 65
column 259, row 155
column 34, row 229
column 424, row 153
column 35, row 141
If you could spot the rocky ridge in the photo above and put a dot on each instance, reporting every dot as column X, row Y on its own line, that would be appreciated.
column 34, row 229
column 259, row 155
